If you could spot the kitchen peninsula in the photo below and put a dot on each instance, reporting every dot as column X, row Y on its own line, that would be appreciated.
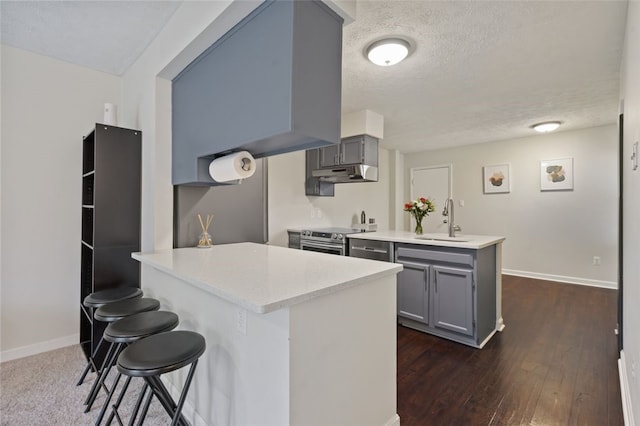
column 450, row 286
column 293, row 337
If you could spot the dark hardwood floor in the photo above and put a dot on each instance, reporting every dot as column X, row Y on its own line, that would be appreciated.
column 555, row 363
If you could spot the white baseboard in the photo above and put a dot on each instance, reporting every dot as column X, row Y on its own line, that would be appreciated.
column 393, row 421
column 38, row 348
column 562, row 279
column 627, row 408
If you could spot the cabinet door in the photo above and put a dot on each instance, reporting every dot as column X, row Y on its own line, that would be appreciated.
column 413, row 292
column 312, row 185
column 352, row 151
column 453, row 299
column 329, row 156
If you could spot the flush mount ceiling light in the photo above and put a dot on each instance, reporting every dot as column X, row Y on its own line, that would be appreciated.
column 546, row 126
column 388, row 51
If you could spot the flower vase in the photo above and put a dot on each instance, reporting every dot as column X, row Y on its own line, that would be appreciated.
column 418, row 226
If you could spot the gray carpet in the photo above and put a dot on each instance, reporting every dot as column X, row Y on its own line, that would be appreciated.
column 41, row 390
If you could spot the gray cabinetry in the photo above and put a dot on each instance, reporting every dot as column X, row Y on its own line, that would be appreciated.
column 413, row 292
column 361, row 149
column 453, row 299
column 449, row 292
column 271, row 85
column 110, row 229
column 294, row 238
column 313, row 185
column 329, row 156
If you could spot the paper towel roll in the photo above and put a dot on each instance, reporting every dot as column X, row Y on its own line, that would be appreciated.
column 110, row 114
column 239, row 165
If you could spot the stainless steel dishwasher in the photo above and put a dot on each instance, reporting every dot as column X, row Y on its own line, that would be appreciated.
column 371, row 249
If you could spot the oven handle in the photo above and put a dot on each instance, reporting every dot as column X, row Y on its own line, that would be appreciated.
column 319, row 244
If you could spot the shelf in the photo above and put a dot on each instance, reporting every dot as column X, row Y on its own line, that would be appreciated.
column 88, row 153
column 87, row 189
column 86, row 271
column 87, row 225
column 110, row 199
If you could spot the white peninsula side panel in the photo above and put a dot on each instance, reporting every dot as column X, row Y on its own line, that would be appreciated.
column 318, row 348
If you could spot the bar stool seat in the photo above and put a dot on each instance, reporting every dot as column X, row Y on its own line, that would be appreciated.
column 129, row 330
column 96, row 300
column 115, row 311
column 159, row 354
column 111, row 313
column 102, row 297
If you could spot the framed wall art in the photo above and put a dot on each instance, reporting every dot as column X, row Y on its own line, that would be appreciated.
column 556, row 175
column 496, row 179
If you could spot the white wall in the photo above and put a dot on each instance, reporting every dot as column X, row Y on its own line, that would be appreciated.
column 550, row 235
column 290, row 208
column 630, row 360
column 47, row 107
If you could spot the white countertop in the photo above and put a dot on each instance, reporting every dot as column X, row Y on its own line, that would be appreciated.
column 442, row 240
column 264, row 278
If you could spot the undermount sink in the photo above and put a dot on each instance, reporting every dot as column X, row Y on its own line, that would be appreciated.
column 436, row 237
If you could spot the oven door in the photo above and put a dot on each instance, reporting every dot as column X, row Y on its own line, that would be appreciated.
column 322, row 247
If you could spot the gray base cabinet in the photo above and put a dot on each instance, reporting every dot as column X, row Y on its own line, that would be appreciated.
column 413, row 292
column 449, row 292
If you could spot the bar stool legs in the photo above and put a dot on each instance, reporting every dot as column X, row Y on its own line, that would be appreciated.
column 96, row 300
column 111, row 313
column 125, row 332
column 159, row 354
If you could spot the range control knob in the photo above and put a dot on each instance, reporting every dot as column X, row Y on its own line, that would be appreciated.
column 334, row 236
column 340, row 237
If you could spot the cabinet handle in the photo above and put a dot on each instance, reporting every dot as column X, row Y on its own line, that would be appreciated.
column 435, row 282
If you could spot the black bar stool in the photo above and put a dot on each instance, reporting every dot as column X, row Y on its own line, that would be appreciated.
column 110, row 313
column 157, row 355
column 127, row 331
column 94, row 301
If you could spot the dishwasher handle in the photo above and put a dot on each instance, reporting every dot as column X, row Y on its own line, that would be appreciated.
column 370, row 249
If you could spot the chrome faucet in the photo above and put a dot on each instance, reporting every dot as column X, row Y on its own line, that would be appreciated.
column 448, row 211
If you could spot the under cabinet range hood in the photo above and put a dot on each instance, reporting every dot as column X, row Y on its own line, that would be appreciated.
column 347, row 173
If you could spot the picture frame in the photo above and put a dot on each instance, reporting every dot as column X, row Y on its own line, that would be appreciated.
column 556, row 175
column 496, row 179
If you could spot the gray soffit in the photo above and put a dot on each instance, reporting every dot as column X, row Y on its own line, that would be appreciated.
column 480, row 70
column 103, row 35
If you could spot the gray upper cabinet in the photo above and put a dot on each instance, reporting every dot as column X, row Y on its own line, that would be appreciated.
column 361, row 149
column 313, row 185
column 271, row 85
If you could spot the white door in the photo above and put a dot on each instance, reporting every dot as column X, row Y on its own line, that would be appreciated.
column 434, row 183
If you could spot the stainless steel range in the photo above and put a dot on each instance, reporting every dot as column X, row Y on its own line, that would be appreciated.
column 327, row 240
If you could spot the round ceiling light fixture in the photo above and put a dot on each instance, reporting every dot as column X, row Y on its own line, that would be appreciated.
column 388, row 51
column 546, row 126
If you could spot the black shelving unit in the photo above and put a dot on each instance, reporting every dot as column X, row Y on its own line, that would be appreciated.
column 111, row 181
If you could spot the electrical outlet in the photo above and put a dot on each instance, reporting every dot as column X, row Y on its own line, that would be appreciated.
column 313, row 213
column 596, row 260
column 461, row 203
column 241, row 321
column 319, row 213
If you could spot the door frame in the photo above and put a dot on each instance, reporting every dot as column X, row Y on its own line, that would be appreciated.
column 412, row 194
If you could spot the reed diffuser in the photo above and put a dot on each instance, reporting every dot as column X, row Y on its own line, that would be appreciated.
column 205, row 237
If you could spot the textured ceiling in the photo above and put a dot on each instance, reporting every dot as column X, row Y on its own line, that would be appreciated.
column 103, row 35
column 479, row 71
column 484, row 71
